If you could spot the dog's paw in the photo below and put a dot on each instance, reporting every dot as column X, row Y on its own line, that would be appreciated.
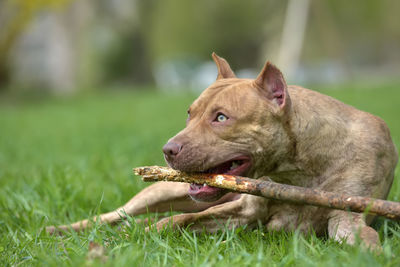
column 370, row 239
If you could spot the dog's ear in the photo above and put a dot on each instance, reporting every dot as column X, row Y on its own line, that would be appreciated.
column 272, row 84
column 224, row 70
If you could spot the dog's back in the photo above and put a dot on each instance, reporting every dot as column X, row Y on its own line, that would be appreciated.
column 334, row 136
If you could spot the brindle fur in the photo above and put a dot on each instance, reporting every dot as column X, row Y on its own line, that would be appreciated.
column 301, row 138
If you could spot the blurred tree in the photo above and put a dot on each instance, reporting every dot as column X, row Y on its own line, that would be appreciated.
column 128, row 60
column 358, row 33
column 96, row 42
column 293, row 36
column 233, row 28
column 115, row 49
column 15, row 15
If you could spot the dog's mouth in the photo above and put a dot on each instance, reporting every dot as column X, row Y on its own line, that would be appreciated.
column 205, row 193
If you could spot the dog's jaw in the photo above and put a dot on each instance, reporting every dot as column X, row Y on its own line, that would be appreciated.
column 237, row 166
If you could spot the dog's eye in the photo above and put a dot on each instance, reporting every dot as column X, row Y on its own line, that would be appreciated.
column 221, row 117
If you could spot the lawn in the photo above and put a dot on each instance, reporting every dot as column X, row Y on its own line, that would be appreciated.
column 62, row 160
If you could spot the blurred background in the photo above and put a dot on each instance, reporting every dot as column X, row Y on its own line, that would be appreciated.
column 91, row 88
column 67, row 46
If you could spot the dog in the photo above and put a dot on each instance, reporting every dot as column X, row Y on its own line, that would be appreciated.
column 263, row 128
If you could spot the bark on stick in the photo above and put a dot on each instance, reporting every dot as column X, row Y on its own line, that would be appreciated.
column 272, row 190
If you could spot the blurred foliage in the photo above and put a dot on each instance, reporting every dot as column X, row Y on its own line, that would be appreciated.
column 357, row 32
column 190, row 30
column 248, row 32
column 15, row 15
column 234, row 28
column 124, row 41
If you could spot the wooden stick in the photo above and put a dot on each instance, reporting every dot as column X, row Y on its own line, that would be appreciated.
column 272, row 190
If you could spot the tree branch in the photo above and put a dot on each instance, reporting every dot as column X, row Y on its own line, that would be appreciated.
column 272, row 190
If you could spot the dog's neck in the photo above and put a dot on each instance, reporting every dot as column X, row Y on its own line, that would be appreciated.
column 311, row 136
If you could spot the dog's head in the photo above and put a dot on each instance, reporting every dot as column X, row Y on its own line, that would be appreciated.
column 236, row 126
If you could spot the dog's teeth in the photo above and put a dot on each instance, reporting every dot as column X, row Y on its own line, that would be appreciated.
column 234, row 165
column 204, row 184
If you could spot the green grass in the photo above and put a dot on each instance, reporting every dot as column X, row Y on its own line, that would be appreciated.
column 62, row 160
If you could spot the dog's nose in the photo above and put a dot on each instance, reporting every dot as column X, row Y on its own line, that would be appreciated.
column 172, row 149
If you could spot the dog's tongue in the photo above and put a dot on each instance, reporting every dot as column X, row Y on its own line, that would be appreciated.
column 205, row 193
column 209, row 193
column 196, row 187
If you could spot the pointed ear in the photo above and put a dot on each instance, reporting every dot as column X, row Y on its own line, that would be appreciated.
column 271, row 82
column 224, row 70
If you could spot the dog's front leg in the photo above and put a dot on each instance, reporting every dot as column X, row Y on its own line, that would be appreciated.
column 345, row 226
column 247, row 210
column 158, row 197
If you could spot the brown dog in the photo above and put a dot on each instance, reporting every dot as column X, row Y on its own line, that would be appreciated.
column 263, row 127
